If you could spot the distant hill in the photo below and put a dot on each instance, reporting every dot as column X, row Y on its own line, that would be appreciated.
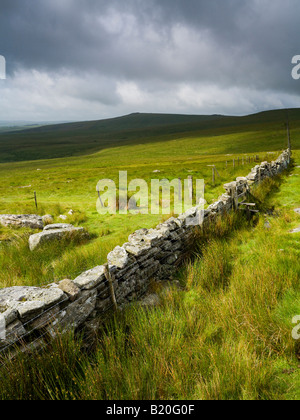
column 12, row 126
column 73, row 139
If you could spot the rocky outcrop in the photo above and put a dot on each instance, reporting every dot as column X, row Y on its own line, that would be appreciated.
column 31, row 221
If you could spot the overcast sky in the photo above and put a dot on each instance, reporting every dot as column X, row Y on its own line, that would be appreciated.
column 93, row 59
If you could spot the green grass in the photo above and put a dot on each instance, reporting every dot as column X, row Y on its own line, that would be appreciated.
column 225, row 334
column 177, row 146
column 57, row 196
column 253, row 133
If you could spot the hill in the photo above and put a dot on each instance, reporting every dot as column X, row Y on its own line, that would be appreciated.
column 80, row 138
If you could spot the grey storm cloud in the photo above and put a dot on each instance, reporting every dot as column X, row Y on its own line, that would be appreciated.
column 131, row 52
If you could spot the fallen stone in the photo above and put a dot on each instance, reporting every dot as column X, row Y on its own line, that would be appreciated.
column 54, row 234
column 58, row 226
column 297, row 230
column 31, row 221
column 297, row 211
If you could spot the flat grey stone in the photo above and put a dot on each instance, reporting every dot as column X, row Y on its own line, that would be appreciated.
column 297, row 211
column 91, row 278
column 29, row 301
column 31, row 308
column 118, row 257
column 52, row 235
column 297, row 230
column 137, row 249
column 31, row 221
column 138, row 236
column 58, row 226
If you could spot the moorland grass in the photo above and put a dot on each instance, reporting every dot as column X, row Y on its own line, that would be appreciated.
column 70, row 183
column 225, row 334
column 53, row 262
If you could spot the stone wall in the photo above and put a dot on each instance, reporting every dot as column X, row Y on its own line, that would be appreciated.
column 34, row 315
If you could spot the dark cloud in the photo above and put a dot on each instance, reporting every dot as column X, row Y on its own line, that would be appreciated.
column 119, row 54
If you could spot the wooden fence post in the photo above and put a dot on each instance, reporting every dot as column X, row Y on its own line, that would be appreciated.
column 99, row 196
column 109, row 279
column 35, row 200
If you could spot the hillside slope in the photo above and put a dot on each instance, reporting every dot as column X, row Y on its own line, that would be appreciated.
column 73, row 139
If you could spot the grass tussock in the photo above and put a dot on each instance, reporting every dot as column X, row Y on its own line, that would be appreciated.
column 225, row 334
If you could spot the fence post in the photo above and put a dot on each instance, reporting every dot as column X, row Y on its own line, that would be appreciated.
column 108, row 277
column 35, row 200
column 99, row 196
column 190, row 184
column 288, row 132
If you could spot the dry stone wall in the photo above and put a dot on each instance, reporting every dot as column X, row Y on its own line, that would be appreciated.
column 34, row 315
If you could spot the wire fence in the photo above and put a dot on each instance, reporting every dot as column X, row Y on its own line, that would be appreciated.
column 47, row 323
column 44, row 328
